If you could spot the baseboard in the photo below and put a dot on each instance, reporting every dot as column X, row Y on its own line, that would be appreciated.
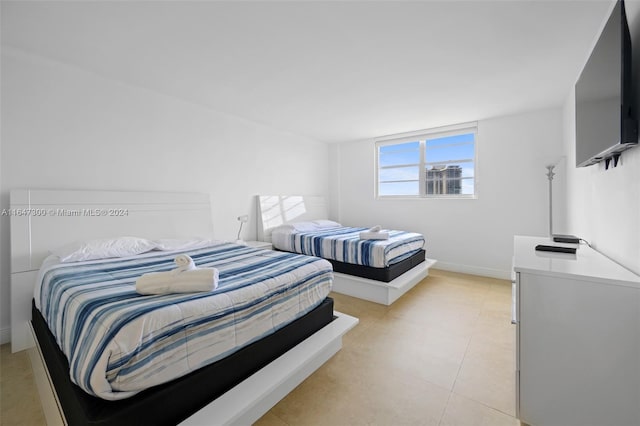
column 473, row 270
column 5, row 335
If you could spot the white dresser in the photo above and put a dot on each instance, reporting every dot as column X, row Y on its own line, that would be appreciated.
column 577, row 339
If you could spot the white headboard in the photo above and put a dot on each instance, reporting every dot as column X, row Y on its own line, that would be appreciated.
column 275, row 210
column 47, row 219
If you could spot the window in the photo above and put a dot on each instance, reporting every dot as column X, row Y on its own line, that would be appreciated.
column 436, row 163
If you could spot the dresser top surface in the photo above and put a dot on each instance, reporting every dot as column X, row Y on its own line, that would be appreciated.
column 585, row 264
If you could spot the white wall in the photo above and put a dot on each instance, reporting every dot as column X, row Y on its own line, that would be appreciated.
column 467, row 235
column 63, row 127
column 604, row 205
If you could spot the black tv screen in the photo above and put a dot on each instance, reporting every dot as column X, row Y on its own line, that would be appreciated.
column 605, row 124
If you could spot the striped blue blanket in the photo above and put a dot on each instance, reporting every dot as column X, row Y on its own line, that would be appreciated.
column 344, row 245
column 119, row 342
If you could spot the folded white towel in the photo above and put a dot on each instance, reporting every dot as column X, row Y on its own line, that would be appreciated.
column 184, row 263
column 376, row 228
column 368, row 235
column 186, row 278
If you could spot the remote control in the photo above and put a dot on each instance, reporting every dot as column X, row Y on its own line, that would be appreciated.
column 542, row 247
column 571, row 239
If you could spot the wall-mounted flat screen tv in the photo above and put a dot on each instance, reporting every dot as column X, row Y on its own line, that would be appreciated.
column 606, row 123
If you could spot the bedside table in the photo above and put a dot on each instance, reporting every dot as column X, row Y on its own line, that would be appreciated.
column 259, row 244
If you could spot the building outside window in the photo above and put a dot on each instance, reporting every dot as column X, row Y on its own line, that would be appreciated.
column 444, row 180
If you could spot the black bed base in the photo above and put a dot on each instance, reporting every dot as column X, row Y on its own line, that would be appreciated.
column 387, row 274
column 171, row 403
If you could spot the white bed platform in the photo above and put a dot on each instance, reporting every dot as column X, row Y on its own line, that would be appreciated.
column 52, row 218
column 275, row 210
column 378, row 291
column 249, row 400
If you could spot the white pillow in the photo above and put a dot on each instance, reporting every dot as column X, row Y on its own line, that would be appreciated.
column 298, row 226
column 325, row 223
column 304, row 226
column 172, row 244
column 104, row 249
column 313, row 225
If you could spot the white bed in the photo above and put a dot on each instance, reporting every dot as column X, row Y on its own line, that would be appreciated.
column 43, row 219
column 277, row 210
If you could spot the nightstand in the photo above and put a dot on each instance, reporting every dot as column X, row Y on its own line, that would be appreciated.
column 259, row 244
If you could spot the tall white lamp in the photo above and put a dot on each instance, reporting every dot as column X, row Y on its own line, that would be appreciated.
column 550, row 165
column 242, row 219
column 550, row 176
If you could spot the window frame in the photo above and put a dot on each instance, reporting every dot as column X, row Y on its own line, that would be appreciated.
column 421, row 136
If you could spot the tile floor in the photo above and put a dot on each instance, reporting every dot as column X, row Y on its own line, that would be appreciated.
column 19, row 400
column 443, row 354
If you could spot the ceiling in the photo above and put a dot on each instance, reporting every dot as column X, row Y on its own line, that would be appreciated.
column 333, row 71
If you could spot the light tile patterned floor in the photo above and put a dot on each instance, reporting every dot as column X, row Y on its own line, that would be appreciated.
column 443, row 354
column 19, row 401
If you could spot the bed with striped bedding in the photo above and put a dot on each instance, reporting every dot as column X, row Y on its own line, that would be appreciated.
column 119, row 343
column 343, row 244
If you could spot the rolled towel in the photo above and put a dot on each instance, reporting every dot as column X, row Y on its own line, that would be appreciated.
column 376, row 228
column 367, row 235
column 184, row 263
column 192, row 281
